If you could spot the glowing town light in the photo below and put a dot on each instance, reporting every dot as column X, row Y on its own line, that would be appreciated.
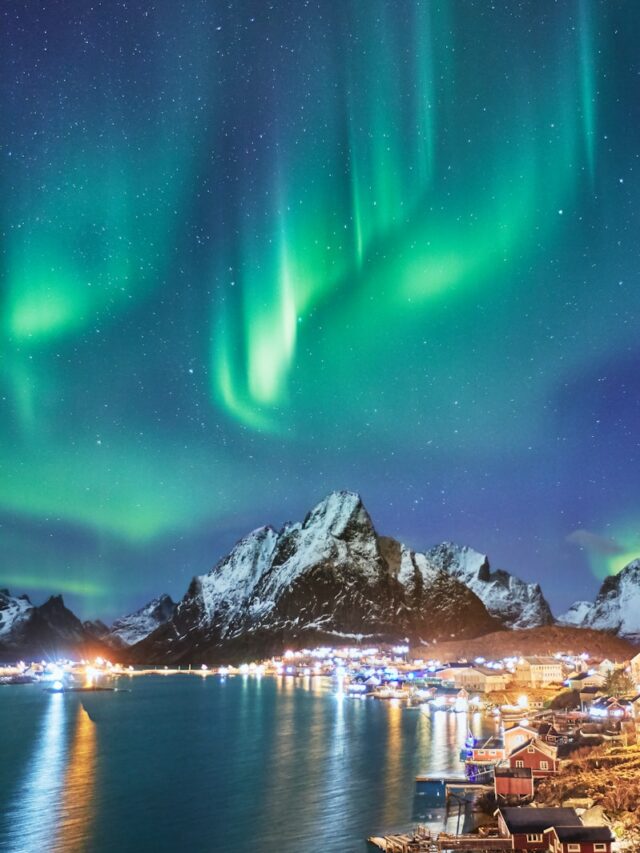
column 523, row 701
column 57, row 686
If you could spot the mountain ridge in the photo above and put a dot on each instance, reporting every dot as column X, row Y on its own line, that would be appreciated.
column 330, row 579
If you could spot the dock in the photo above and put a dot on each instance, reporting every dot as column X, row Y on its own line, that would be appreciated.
column 445, row 787
column 424, row 842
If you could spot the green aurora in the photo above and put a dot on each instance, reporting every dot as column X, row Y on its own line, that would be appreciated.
column 251, row 254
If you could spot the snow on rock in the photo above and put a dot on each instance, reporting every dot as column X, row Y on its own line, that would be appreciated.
column 227, row 589
column 47, row 630
column 517, row 603
column 330, row 576
column 577, row 615
column 617, row 605
column 14, row 613
column 133, row 628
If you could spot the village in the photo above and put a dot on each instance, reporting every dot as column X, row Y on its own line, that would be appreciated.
column 559, row 772
column 562, row 773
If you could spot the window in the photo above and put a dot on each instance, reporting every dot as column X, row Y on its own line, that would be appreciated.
column 530, row 749
column 519, row 762
column 536, row 839
column 573, row 848
column 544, row 765
column 599, row 847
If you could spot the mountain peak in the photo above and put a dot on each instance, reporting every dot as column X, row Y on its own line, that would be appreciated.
column 135, row 627
column 328, row 579
column 617, row 605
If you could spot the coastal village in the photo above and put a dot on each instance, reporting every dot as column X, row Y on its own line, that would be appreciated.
column 559, row 772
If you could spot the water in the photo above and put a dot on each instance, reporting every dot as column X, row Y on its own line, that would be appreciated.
column 184, row 763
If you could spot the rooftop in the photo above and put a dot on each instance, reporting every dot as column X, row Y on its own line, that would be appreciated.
column 584, row 833
column 529, row 819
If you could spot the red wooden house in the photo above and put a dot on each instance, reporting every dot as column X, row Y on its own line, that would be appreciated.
column 579, row 839
column 513, row 786
column 526, row 826
column 489, row 751
column 541, row 758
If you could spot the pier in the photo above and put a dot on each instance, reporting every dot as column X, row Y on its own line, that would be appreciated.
column 445, row 787
column 422, row 841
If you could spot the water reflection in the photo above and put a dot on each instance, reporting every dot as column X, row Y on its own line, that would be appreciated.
column 77, row 813
column 394, row 789
column 282, row 761
column 34, row 810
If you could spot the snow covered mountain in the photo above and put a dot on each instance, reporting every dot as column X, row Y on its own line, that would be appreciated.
column 577, row 615
column 616, row 608
column 517, row 603
column 15, row 612
column 45, row 631
column 327, row 579
column 131, row 629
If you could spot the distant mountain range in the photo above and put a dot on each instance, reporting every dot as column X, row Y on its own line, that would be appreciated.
column 47, row 631
column 330, row 579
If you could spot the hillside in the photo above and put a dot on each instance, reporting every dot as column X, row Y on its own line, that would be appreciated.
column 533, row 641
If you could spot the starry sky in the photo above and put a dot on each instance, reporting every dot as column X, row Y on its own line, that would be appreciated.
column 255, row 251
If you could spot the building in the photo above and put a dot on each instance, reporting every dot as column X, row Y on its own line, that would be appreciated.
column 489, row 751
column 513, row 786
column 548, row 733
column 475, row 679
column 610, row 708
column 516, row 736
column 635, row 670
column 526, row 826
column 536, row 755
column 606, row 666
column 586, row 679
column 588, row 695
column 579, row 839
column 539, row 671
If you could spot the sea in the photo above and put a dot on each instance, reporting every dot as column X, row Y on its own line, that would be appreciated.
column 242, row 764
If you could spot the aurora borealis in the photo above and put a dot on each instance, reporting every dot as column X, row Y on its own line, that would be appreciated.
column 256, row 251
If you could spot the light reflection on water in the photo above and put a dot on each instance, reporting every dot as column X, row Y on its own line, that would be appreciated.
column 33, row 810
column 76, row 813
column 191, row 764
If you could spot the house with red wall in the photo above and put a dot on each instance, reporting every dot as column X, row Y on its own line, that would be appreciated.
column 526, row 826
column 553, row 830
column 540, row 757
column 513, row 786
column 579, row 839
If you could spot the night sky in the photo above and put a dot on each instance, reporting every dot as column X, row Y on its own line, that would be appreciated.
column 256, row 251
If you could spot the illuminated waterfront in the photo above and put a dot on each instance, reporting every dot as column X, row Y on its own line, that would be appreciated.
column 211, row 764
